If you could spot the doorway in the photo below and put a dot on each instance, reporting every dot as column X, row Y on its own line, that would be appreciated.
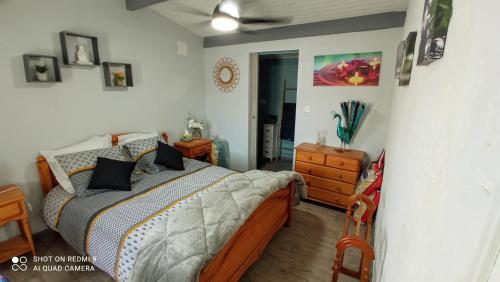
column 276, row 107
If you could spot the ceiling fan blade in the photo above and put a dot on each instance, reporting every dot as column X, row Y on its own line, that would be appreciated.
column 189, row 10
column 202, row 24
column 244, row 20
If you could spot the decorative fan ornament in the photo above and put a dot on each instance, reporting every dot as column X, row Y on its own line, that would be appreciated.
column 226, row 74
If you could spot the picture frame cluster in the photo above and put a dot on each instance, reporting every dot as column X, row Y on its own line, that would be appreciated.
column 435, row 22
column 77, row 50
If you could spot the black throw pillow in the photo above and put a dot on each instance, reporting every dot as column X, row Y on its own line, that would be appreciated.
column 169, row 157
column 112, row 174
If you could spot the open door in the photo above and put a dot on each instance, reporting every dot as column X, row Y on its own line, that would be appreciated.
column 254, row 96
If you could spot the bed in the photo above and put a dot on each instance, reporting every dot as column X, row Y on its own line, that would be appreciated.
column 108, row 226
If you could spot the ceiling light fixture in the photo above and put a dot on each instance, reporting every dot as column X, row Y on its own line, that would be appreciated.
column 227, row 19
column 224, row 23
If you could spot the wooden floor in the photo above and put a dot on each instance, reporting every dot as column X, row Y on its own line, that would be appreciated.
column 302, row 252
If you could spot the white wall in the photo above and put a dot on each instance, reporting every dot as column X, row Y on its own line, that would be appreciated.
column 228, row 113
column 35, row 117
column 439, row 218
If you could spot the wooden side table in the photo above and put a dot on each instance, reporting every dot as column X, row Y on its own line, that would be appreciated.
column 196, row 148
column 12, row 208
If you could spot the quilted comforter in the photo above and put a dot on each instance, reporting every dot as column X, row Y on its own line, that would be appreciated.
column 171, row 223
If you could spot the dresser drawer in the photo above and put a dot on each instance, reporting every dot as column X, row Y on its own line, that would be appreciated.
column 10, row 210
column 268, row 130
column 268, row 147
column 268, row 141
column 330, row 185
column 268, row 153
column 327, row 196
column 202, row 149
column 311, row 157
column 327, row 172
column 342, row 163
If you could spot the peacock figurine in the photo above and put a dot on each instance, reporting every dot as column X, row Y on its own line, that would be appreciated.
column 353, row 112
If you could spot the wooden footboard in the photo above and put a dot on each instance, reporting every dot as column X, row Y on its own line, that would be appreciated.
column 248, row 243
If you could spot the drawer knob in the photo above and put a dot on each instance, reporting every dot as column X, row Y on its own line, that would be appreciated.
column 309, row 171
column 341, row 163
column 340, row 176
column 310, row 158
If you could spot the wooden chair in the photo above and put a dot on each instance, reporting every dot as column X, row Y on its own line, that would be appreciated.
column 356, row 240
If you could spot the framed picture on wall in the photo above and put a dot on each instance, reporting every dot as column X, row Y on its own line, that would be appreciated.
column 407, row 64
column 354, row 69
column 41, row 68
column 79, row 49
column 435, row 22
column 399, row 60
column 117, row 74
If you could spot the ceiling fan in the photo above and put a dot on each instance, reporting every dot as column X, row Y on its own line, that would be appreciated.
column 226, row 17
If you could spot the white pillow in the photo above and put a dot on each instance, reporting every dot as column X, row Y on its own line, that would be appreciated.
column 96, row 142
column 131, row 137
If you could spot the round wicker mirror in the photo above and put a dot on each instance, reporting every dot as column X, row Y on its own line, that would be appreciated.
column 226, row 74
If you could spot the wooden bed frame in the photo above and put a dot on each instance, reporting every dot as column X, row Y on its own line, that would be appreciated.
column 245, row 247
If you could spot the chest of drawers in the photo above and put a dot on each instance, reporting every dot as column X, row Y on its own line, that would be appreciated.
column 330, row 175
column 270, row 141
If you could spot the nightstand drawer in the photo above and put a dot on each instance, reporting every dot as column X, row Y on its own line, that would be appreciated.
column 342, row 163
column 327, row 196
column 10, row 210
column 202, row 149
column 327, row 172
column 330, row 185
column 310, row 157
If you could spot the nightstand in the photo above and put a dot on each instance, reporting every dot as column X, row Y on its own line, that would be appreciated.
column 12, row 208
column 196, row 148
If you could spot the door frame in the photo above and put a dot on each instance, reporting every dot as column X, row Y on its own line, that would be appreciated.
column 253, row 99
column 253, row 111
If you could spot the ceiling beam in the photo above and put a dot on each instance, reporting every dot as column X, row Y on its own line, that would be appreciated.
column 137, row 4
column 354, row 24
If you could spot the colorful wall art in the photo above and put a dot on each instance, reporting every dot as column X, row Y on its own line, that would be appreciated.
column 355, row 69
column 435, row 22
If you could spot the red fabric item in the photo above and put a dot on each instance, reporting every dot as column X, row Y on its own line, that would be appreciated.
column 374, row 190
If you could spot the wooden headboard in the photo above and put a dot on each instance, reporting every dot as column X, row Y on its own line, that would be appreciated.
column 47, row 178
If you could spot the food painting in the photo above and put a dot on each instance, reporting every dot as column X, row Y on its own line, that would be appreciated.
column 355, row 69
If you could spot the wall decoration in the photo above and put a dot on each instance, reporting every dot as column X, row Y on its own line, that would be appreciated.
column 41, row 68
column 117, row 74
column 353, row 114
column 407, row 64
column 399, row 60
column 355, row 69
column 79, row 50
column 226, row 74
column 435, row 22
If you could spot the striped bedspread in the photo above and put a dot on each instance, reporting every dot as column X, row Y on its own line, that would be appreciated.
column 112, row 225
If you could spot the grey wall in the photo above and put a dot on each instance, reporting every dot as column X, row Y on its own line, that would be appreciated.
column 321, row 99
column 439, row 216
column 35, row 117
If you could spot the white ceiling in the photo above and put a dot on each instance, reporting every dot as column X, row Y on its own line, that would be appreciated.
column 302, row 11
